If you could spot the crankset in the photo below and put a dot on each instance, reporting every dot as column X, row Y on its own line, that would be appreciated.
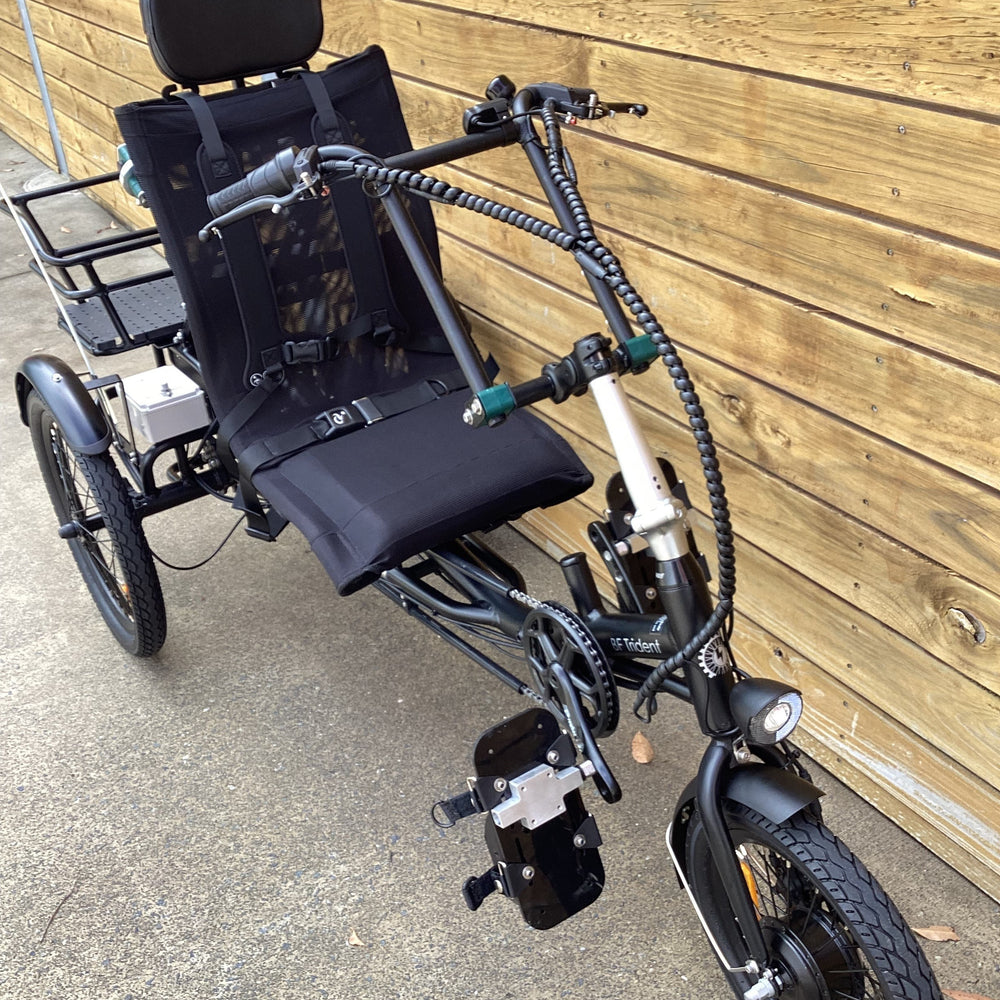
column 554, row 637
column 574, row 680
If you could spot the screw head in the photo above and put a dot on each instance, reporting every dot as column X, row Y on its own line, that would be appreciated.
column 580, row 841
column 552, row 757
column 500, row 784
column 528, row 873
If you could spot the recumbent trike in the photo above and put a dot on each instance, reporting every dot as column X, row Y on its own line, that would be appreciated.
column 311, row 367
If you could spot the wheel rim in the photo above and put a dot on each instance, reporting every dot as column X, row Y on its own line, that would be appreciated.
column 96, row 548
column 815, row 950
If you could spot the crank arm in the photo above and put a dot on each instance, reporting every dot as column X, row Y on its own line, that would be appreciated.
column 572, row 712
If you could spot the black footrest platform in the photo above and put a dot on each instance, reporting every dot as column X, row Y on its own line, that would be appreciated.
column 543, row 842
column 150, row 313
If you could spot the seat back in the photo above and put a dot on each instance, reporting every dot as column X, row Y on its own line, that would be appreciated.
column 322, row 266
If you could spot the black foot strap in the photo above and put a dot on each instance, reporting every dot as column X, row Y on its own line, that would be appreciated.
column 476, row 889
column 448, row 812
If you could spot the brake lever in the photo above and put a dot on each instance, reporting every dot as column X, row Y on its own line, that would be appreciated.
column 274, row 203
column 609, row 109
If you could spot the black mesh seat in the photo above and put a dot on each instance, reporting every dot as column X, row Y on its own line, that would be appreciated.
column 369, row 500
column 331, row 271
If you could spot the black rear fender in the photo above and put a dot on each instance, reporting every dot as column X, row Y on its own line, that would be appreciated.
column 80, row 418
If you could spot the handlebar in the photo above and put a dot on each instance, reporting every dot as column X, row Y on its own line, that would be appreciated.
column 591, row 359
column 295, row 173
column 578, row 102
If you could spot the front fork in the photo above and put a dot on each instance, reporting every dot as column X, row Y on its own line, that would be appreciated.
column 661, row 520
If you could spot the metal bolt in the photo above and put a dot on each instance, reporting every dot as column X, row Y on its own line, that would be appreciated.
column 56, row 377
column 650, row 593
column 895, row 192
column 552, row 757
column 906, row 66
column 500, row 784
column 902, row 130
column 580, row 841
column 890, row 251
column 528, row 873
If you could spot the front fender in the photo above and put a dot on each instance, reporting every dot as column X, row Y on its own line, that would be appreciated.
column 61, row 389
column 774, row 792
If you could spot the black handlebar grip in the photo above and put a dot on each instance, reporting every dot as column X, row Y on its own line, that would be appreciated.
column 276, row 177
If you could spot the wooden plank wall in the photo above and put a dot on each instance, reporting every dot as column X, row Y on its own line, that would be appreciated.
column 812, row 206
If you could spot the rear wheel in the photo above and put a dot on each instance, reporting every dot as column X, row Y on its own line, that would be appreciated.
column 109, row 544
column 831, row 931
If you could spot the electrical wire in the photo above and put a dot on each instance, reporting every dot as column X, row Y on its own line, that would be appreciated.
column 184, row 569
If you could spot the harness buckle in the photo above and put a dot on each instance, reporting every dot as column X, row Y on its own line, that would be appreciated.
column 340, row 419
column 383, row 332
column 297, row 352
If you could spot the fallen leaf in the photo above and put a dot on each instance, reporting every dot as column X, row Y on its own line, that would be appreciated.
column 962, row 995
column 937, row 933
column 642, row 749
column 353, row 940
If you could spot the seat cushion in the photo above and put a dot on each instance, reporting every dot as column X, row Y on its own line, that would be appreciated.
column 369, row 500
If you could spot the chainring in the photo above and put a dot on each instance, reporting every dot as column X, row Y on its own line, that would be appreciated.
column 554, row 634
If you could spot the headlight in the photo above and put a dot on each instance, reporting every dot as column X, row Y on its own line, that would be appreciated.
column 767, row 711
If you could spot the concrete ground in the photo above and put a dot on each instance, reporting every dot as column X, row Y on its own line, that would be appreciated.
column 248, row 813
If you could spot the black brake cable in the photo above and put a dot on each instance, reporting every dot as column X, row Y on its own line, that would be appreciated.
column 601, row 262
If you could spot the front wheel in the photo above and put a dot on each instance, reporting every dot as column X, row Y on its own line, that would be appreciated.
column 831, row 931
column 109, row 545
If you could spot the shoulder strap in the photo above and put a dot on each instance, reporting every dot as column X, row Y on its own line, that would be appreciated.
column 241, row 247
column 365, row 258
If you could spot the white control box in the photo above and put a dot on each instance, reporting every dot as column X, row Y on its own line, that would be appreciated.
column 163, row 403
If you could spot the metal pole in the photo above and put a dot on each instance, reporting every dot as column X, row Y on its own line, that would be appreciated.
column 43, row 88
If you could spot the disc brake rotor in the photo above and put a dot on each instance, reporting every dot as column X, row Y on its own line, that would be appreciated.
column 552, row 634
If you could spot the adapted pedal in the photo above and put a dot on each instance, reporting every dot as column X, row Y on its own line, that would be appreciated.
column 542, row 840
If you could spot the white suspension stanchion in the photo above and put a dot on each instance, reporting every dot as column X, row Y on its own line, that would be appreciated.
column 659, row 517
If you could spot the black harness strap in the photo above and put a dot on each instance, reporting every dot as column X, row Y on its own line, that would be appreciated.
column 241, row 247
column 365, row 259
column 327, row 126
column 311, row 352
column 346, row 418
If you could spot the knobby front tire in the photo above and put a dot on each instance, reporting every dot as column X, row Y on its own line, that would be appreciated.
column 832, row 932
column 110, row 547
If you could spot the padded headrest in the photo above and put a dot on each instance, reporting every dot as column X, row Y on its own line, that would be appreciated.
column 207, row 41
